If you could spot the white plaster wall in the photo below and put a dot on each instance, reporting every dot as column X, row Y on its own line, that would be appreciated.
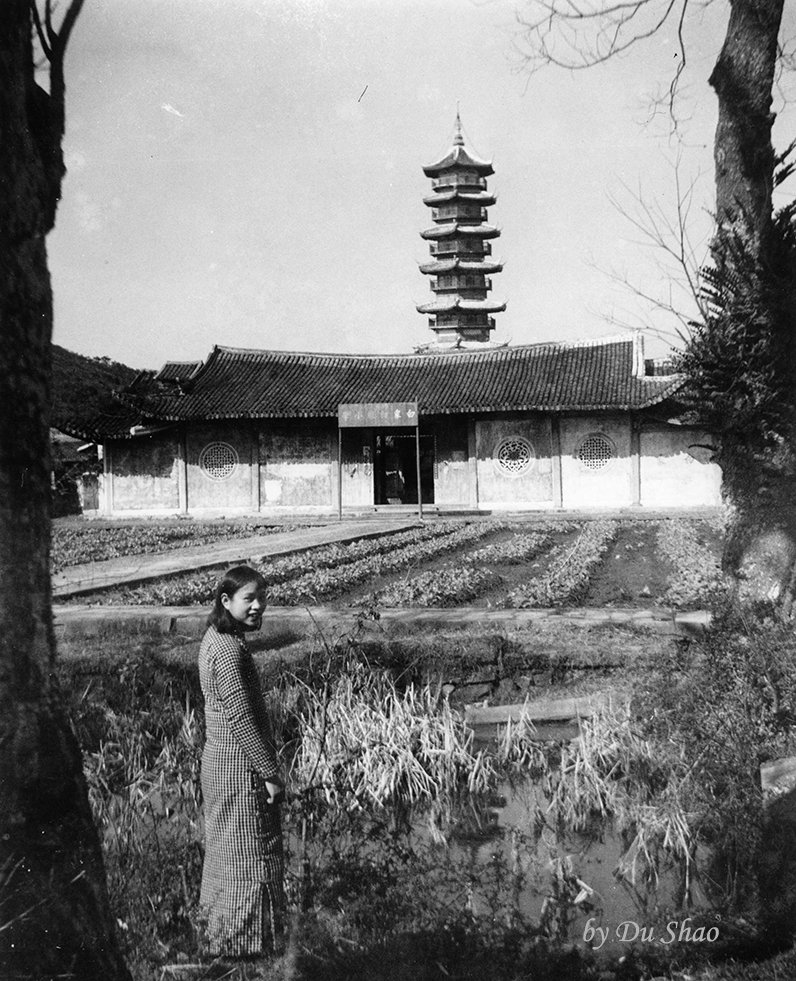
column 453, row 473
column 144, row 474
column 532, row 489
column 357, row 475
column 610, row 486
column 296, row 465
column 676, row 470
column 233, row 493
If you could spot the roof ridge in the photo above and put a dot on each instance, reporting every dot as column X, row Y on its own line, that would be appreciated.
column 576, row 343
column 598, row 341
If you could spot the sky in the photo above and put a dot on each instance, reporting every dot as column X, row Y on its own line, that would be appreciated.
column 248, row 173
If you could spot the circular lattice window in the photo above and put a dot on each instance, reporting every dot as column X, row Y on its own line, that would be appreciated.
column 513, row 456
column 218, row 461
column 596, row 452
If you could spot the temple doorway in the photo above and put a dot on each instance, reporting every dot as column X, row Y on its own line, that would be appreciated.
column 395, row 470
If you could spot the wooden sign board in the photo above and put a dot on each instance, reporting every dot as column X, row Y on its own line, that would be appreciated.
column 377, row 414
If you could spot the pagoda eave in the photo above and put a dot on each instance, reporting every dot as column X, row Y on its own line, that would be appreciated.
column 458, row 156
column 454, row 228
column 473, row 197
column 451, row 304
column 459, row 265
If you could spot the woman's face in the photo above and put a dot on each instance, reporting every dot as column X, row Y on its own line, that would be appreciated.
column 246, row 605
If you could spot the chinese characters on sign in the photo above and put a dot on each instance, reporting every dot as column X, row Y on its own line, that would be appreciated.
column 377, row 414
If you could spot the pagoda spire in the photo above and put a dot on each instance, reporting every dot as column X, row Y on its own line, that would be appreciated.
column 459, row 242
column 458, row 139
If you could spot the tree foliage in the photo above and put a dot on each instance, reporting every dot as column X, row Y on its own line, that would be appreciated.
column 740, row 357
column 740, row 362
column 83, row 387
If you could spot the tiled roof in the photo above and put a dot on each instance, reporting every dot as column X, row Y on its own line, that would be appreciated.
column 103, row 425
column 238, row 383
column 178, row 371
column 458, row 156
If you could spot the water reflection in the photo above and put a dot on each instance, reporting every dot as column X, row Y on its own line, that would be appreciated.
column 558, row 879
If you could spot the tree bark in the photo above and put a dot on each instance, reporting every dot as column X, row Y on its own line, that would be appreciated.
column 54, row 911
column 761, row 544
column 743, row 79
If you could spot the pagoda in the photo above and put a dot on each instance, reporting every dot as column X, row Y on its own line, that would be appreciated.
column 459, row 242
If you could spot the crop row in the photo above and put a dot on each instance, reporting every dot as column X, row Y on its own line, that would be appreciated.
column 446, row 587
column 296, row 578
column 468, row 580
column 75, row 546
column 328, row 583
column 333, row 556
column 570, row 567
column 697, row 577
column 514, row 551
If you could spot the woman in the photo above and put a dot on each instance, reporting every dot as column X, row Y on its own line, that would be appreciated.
column 242, row 879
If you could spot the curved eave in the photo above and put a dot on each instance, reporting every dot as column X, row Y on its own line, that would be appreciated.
column 100, row 428
column 471, row 197
column 451, row 304
column 458, row 156
column 452, row 229
column 459, row 265
column 426, row 409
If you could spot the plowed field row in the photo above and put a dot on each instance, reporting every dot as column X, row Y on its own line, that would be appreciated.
column 599, row 563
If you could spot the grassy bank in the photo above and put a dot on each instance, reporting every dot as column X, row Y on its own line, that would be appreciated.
column 371, row 900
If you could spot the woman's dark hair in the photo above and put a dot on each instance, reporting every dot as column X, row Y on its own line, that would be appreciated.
column 232, row 580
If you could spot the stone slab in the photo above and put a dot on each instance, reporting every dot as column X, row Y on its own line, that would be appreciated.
column 297, row 623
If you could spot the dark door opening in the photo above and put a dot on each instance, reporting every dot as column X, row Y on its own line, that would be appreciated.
column 395, row 470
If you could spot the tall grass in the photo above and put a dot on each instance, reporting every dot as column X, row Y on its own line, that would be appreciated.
column 613, row 772
column 366, row 744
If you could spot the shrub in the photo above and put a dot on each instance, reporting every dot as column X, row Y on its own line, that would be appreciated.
column 728, row 702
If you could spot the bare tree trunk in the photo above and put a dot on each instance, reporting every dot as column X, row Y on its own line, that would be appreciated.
column 761, row 546
column 54, row 910
column 743, row 79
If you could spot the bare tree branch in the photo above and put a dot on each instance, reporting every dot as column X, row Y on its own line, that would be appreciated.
column 678, row 293
column 574, row 37
column 561, row 33
column 43, row 41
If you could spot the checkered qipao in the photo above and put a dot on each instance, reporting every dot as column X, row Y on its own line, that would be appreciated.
column 242, row 878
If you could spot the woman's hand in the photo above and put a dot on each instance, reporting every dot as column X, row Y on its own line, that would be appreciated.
column 276, row 790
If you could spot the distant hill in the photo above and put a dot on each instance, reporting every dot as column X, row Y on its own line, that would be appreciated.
column 82, row 386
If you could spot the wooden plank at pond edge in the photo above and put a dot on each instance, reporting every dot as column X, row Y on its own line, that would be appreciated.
column 551, row 711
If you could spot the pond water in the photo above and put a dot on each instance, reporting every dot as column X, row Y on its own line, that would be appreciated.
column 568, row 883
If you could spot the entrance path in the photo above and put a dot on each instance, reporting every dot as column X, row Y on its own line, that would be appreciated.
column 126, row 570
